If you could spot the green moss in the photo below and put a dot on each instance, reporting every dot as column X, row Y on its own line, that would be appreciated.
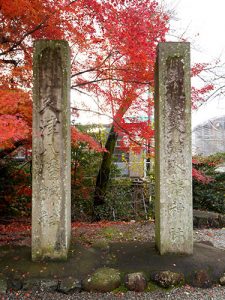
column 152, row 287
column 101, row 244
column 49, row 253
column 103, row 280
column 81, row 239
column 121, row 289
column 110, row 232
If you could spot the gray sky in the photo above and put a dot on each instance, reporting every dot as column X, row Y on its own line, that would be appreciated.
column 203, row 24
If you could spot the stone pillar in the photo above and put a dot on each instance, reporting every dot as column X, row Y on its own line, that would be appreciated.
column 51, row 182
column 173, row 204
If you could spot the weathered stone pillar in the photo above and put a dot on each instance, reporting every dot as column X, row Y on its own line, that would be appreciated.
column 173, row 204
column 51, row 202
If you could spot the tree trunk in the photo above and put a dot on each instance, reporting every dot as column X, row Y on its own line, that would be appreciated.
column 104, row 172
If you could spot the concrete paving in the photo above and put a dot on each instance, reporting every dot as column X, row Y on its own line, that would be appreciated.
column 126, row 256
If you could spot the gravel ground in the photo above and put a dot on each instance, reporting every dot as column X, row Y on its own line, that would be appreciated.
column 214, row 236
column 135, row 231
column 184, row 293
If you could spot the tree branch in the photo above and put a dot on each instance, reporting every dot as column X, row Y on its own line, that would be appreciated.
column 116, row 122
column 109, row 78
column 10, row 61
column 94, row 68
column 37, row 27
column 16, row 44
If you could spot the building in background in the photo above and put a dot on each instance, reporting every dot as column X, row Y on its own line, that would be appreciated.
column 22, row 154
column 130, row 163
column 209, row 137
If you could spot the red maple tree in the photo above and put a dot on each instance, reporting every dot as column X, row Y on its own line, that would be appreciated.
column 113, row 47
column 113, row 51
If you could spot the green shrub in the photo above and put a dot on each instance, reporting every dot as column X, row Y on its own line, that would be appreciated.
column 211, row 194
column 125, row 202
column 15, row 188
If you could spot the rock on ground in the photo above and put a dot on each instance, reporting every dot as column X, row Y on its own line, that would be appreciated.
column 102, row 280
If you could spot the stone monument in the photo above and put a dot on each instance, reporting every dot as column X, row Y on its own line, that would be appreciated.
column 173, row 205
column 51, row 182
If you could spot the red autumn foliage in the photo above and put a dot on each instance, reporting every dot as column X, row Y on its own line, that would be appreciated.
column 201, row 177
column 78, row 136
column 198, row 68
column 14, row 227
column 200, row 95
column 15, row 116
column 113, row 51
